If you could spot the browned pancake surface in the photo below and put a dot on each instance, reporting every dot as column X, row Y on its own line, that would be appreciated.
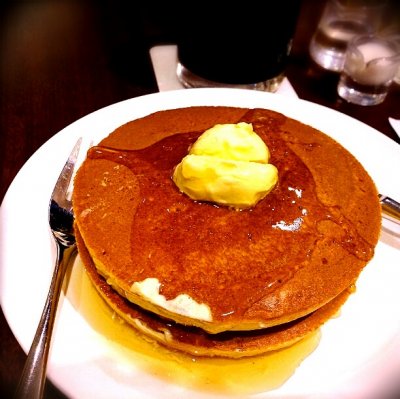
column 299, row 248
column 195, row 341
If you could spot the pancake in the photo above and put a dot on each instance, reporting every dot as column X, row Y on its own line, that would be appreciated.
column 195, row 341
column 212, row 267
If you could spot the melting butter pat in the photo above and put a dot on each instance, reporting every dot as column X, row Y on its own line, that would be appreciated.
column 228, row 165
column 183, row 304
column 232, row 141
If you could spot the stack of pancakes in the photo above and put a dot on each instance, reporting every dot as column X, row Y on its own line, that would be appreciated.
column 209, row 280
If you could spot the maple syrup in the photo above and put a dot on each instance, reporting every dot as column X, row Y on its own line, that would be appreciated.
column 243, row 376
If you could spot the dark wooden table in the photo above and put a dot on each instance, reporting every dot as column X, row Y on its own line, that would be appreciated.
column 60, row 60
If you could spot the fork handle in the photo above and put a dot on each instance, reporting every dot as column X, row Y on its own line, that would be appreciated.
column 32, row 381
column 390, row 208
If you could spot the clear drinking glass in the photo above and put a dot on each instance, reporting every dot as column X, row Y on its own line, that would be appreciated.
column 370, row 65
column 341, row 20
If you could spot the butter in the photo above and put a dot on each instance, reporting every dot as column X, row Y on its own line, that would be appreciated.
column 232, row 141
column 228, row 165
column 183, row 304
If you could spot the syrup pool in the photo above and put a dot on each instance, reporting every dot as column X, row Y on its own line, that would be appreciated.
column 130, row 351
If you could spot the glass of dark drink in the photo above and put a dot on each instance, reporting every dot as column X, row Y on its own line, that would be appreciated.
column 242, row 45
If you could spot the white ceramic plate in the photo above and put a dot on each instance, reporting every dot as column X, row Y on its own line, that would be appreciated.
column 359, row 352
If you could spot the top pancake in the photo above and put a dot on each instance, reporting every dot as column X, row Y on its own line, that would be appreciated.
column 211, row 266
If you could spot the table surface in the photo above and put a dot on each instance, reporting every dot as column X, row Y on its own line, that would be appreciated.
column 61, row 60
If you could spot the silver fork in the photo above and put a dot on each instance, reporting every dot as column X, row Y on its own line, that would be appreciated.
column 31, row 383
